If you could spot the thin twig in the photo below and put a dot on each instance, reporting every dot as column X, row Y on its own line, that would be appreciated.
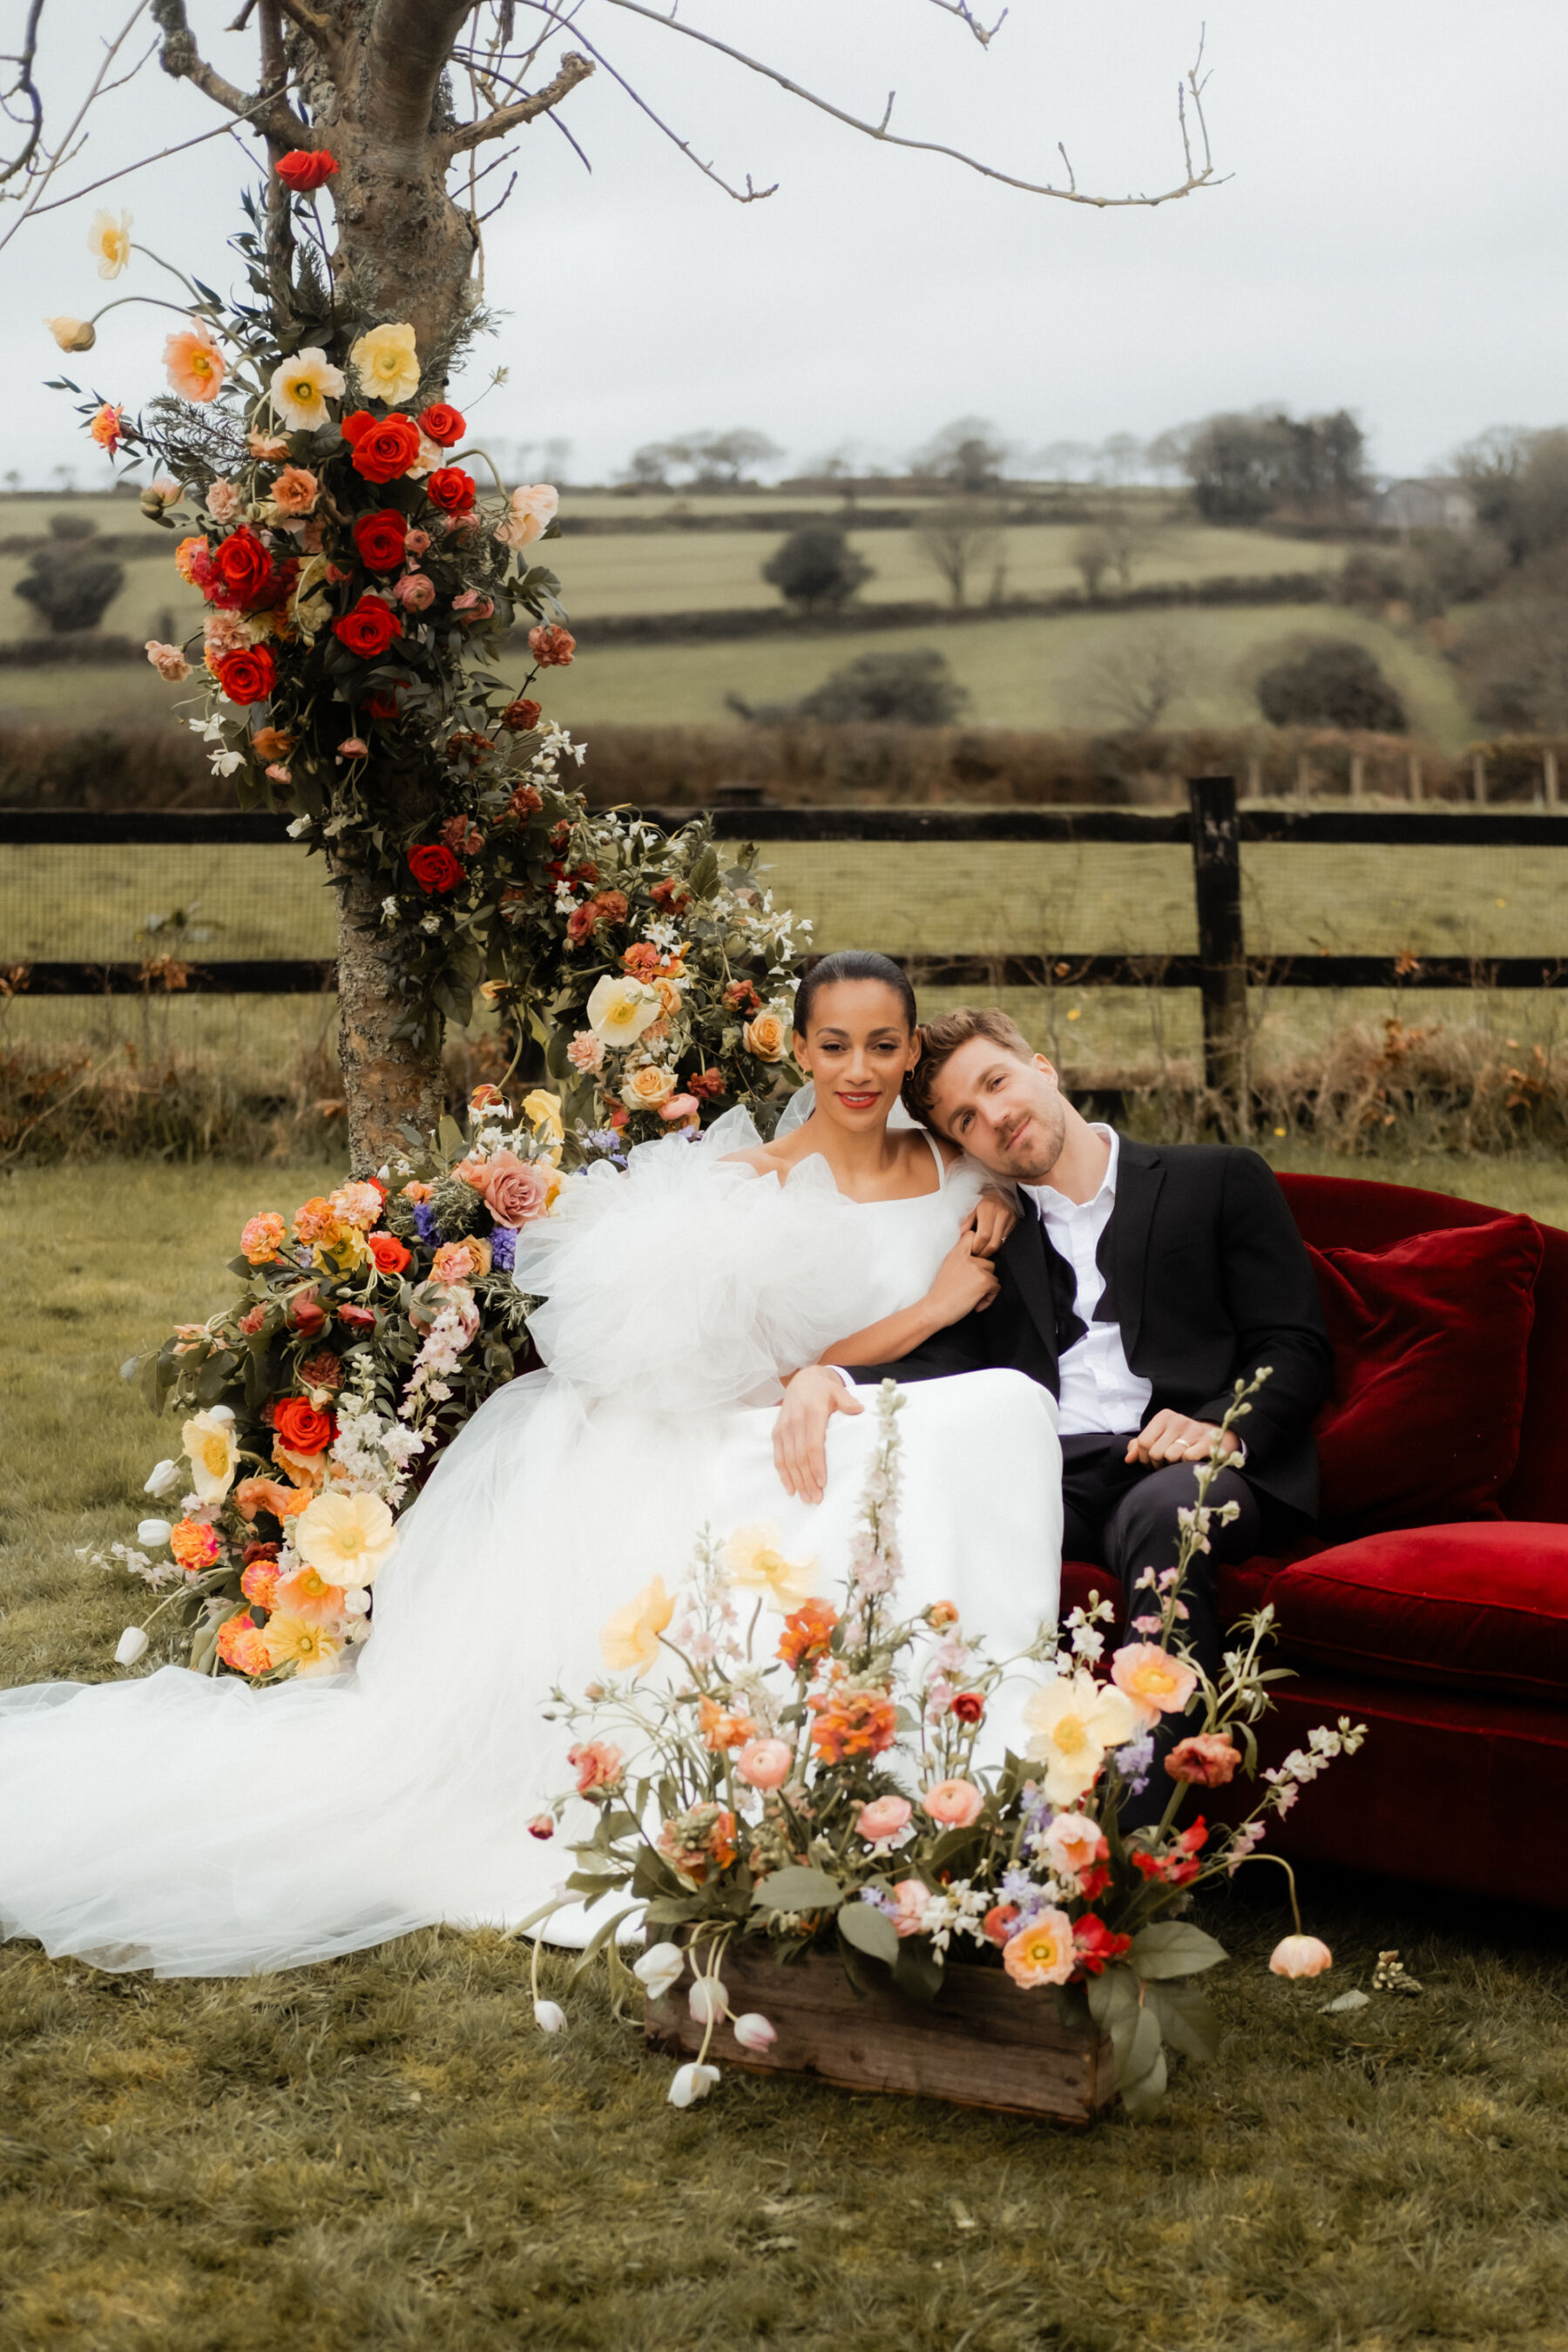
column 575, row 69
column 26, row 89
column 218, row 130
column 66, row 151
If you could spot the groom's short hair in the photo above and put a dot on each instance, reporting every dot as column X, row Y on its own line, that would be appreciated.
column 941, row 1039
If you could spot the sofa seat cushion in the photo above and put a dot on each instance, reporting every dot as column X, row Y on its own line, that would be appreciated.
column 1429, row 1340
column 1481, row 1607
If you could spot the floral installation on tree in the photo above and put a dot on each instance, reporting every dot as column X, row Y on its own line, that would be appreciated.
column 820, row 1791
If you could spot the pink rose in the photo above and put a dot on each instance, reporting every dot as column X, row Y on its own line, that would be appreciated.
column 515, row 1190
column 473, row 606
column 1208, row 1758
column 911, row 1898
column 678, row 1107
column 953, row 1804
column 764, row 1763
column 416, row 591
column 417, row 542
column 883, row 1819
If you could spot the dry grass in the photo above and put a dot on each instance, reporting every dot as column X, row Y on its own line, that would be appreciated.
column 381, row 2152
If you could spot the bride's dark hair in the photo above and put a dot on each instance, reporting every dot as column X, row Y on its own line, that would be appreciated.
column 852, row 963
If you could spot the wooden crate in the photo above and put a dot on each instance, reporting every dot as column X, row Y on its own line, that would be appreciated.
column 983, row 2042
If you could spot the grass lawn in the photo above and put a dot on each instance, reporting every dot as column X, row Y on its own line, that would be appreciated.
column 382, row 2152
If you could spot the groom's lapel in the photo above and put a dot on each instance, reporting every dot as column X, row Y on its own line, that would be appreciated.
column 1125, row 1246
column 1045, row 1281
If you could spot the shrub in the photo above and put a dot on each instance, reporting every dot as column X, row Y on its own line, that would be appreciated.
column 68, row 584
column 816, row 568
column 1335, row 683
column 913, row 689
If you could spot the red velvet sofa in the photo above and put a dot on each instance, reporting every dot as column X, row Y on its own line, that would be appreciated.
column 1433, row 1606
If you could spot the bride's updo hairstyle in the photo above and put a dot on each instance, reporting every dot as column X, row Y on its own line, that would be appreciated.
column 852, row 963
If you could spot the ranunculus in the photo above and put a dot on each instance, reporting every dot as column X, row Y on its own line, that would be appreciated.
column 1207, row 1760
column 296, row 491
column 302, row 387
column 471, row 608
column 380, row 540
column 520, row 717
column 953, row 1804
column 529, row 510
column 552, row 646
column 997, row 1925
column 764, row 1763
column 387, row 363
column 883, row 1819
column 247, row 675
column 383, row 447
column 105, row 427
column 304, row 168
column 619, row 1010
column 1157, row 1682
column 1041, row 1953
column 1300, row 1955
column 647, row 1087
column 109, row 241
column 434, row 867
column 515, row 1190
column 416, row 591
column 767, row 1037
column 244, row 566
column 354, row 747
column 451, row 490
column 195, row 1543
column 911, row 1896
column 194, row 364
column 348, row 1538
column 212, row 1455
column 169, row 662
column 442, row 423
column 303, row 1428
column 369, row 628
column 629, row 1639
column 390, row 1255
column 680, row 1107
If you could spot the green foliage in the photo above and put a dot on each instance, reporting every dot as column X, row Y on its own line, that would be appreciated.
column 68, row 584
column 1243, row 467
column 816, row 568
column 1334, row 683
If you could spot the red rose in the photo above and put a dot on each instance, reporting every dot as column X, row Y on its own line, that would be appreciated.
column 379, row 538
column 969, row 1706
column 308, row 1314
column 434, row 867
column 369, row 629
column 247, row 675
column 383, row 706
column 451, row 490
column 243, row 566
column 302, row 1429
column 303, row 169
column 358, row 1319
column 442, row 424
column 707, row 1084
column 522, row 717
column 552, row 648
column 383, row 447
column 388, row 1252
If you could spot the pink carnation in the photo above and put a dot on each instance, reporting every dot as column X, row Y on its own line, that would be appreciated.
column 586, row 1052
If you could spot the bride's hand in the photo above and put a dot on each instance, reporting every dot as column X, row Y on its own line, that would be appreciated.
column 995, row 1214
column 965, row 1281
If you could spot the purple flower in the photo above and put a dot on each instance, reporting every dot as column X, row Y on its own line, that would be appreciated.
column 424, row 1219
column 503, row 1248
column 1038, row 1809
column 879, row 1901
column 1134, row 1761
column 1018, row 1887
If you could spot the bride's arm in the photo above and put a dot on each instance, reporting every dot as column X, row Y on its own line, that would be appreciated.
column 965, row 1281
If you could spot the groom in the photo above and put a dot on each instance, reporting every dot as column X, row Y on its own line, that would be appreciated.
column 1140, row 1284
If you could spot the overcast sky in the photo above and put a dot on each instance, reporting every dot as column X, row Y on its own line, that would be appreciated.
column 1390, row 239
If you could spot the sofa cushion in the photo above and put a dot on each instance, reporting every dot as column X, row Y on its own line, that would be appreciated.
column 1480, row 1607
column 1429, row 1339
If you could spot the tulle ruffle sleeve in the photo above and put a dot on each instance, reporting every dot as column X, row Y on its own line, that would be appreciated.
column 690, row 1279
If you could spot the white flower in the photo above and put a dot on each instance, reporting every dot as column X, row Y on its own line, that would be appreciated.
column 164, row 1478
column 752, row 2032
column 620, row 1009
column 133, row 1645
column 213, row 1457
column 707, row 2002
column 1075, row 1720
column 530, row 509
column 109, row 241
column 153, row 1531
column 302, row 387
column 550, row 2017
column 661, row 1967
column 691, row 2083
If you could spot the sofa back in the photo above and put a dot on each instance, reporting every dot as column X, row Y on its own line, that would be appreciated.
column 1344, row 1212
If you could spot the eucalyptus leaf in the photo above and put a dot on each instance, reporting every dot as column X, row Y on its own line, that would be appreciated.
column 797, row 1889
column 870, row 1930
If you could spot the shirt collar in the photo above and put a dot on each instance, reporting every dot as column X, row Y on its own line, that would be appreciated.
column 1054, row 1204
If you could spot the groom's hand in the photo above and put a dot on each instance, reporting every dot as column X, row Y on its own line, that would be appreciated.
column 800, row 1433
column 1172, row 1437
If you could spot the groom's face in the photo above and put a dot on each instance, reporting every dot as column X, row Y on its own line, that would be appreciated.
column 1005, row 1112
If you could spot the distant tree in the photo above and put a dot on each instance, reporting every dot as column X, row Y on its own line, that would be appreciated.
column 711, row 461
column 968, row 452
column 1140, row 678
column 1121, row 457
column 912, row 689
column 1518, row 482
column 956, row 538
column 71, row 585
column 1512, row 659
column 1333, row 683
column 1428, row 571
column 1066, row 461
column 1093, row 555
column 816, row 568
column 1243, row 467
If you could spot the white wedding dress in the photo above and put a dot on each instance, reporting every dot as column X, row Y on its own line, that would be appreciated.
column 204, row 1828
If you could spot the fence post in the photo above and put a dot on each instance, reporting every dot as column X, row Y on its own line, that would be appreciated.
column 1478, row 776
column 1222, row 947
column 1549, row 769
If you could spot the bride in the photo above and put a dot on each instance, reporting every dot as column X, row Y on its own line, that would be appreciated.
column 201, row 1828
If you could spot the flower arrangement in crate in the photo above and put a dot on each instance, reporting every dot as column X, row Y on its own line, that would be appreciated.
column 821, row 1791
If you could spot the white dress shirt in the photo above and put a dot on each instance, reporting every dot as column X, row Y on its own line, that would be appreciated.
column 1100, row 1392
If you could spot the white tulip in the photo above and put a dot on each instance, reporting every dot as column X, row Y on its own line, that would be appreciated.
column 550, row 2017
column 153, row 1531
column 707, row 2002
column 752, row 2032
column 661, row 1968
column 166, row 1477
column 133, row 1645
column 356, row 1604
column 691, row 2083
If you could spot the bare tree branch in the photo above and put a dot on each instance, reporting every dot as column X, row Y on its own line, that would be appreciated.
column 68, row 146
column 308, row 21
column 410, row 44
column 965, row 15
column 180, row 59
column 25, row 89
column 575, row 69
column 219, row 131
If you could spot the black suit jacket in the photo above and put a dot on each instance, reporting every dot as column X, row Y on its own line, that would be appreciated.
column 1208, row 1278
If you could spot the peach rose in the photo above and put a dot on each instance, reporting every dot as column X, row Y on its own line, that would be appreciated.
column 953, row 1804
column 1207, row 1760
column 883, row 1819
column 767, row 1037
column 516, row 1190
column 648, row 1087
column 764, row 1763
column 296, row 491
column 1157, row 1682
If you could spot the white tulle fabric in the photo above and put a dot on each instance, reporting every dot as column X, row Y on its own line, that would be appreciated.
column 201, row 1828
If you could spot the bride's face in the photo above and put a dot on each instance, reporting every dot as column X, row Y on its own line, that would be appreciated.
column 858, row 1049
